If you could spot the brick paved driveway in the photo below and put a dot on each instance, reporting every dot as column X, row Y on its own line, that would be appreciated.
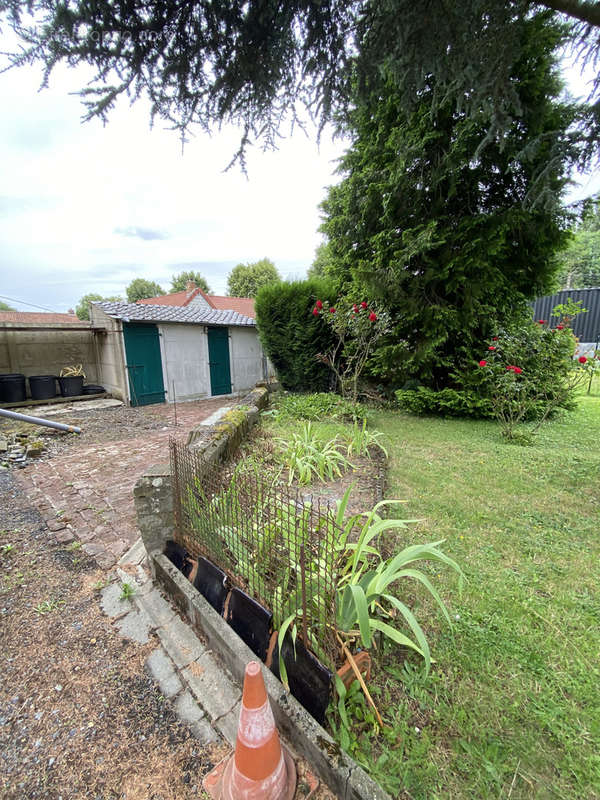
column 86, row 493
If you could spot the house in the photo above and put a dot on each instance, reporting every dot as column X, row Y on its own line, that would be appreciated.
column 185, row 349
column 196, row 297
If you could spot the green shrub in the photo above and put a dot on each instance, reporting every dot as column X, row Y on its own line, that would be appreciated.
column 316, row 406
column 447, row 402
column 291, row 337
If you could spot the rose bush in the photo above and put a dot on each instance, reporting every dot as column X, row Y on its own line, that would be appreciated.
column 356, row 329
column 528, row 374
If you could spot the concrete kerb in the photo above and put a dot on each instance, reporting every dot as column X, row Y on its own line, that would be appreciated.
column 309, row 740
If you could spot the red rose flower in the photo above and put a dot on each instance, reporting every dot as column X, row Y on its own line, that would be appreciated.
column 517, row 370
column 582, row 359
column 332, row 310
column 363, row 304
column 355, row 308
column 509, row 367
column 372, row 316
column 483, row 363
column 560, row 327
column 319, row 304
column 491, row 347
column 541, row 321
column 494, row 338
column 315, row 311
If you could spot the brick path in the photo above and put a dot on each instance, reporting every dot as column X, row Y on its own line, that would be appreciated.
column 86, row 494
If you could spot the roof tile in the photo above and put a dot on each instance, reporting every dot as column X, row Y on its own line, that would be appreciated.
column 138, row 312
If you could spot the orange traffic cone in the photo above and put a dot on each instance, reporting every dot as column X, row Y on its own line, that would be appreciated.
column 261, row 768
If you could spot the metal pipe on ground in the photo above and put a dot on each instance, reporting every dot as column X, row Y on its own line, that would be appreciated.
column 4, row 412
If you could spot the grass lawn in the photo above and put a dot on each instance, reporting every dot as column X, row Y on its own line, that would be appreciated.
column 512, row 706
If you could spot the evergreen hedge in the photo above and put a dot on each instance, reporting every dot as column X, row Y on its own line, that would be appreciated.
column 291, row 336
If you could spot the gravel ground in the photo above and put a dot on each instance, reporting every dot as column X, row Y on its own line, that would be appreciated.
column 97, row 425
column 78, row 716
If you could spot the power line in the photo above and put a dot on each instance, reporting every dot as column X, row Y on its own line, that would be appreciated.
column 24, row 303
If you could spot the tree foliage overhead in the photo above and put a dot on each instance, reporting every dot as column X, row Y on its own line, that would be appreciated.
column 82, row 309
column 197, row 62
column 5, row 307
column 179, row 282
column 446, row 239
column 142, row 289
column 245, row 280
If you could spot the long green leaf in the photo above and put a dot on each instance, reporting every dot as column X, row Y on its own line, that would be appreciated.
column 395, row 636
column 414, row 626
column 419, row 576
column 362, row 614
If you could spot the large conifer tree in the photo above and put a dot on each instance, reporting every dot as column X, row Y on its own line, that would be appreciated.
column 450, row 241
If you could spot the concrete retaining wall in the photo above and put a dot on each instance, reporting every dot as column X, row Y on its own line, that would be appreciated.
column 111, row 354
column 37, row 350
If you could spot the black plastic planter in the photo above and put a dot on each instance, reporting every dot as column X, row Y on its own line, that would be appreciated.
column 178, row 556
column 309, row 680
column 211, row 583
column 42, row 387
column 12, row 388
column 71, row 386
column 250, row 621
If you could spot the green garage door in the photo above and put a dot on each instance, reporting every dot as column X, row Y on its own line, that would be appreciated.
column 218, row 361
column 144, row 364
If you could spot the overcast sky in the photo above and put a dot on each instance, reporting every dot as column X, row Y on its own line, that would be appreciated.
column 86, row 208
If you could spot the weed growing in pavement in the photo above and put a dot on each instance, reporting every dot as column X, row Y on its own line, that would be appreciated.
column 101, row 584
column 49, row 605
column 74, row 546
column 6, row 549
column 127, row 591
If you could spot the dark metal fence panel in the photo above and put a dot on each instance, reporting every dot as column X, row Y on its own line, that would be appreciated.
column 585, row 326
column 279, row 549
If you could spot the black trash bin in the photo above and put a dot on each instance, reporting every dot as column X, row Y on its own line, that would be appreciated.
column 71, row 386
column 42, row 387
column 12, row 388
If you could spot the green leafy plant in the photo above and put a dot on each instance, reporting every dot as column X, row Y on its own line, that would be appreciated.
column 361, row 441
column 316, row 406
column 306, row 456
column 6, row 549
column 127, row 591
column 366, row 602
column 48, row 605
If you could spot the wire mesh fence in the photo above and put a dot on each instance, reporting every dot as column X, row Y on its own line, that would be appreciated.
column 271, row 543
